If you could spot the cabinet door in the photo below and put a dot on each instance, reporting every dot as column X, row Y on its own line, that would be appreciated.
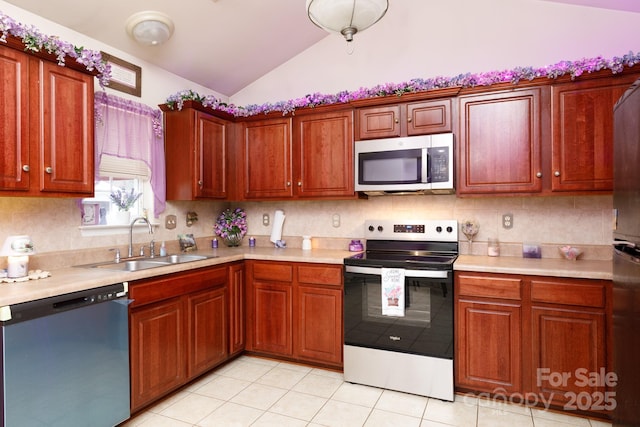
column 319, row 324
column 14, row 120
column 272, row 318
column 324, row 155
column 267, row 159
column 429, row 117
column 569, row 346
column 236, row 308
column 207, row 325
column 379, row 122
column 66, row 114
column 582, row 123
column 211, row 157
column 489, row 346
column 499, row 144
column 158, row 342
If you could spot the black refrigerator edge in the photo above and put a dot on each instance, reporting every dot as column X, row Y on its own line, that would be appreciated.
column 626, row 258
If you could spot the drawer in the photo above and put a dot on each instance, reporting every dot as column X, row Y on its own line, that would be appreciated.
column 585, row 294
column 273, row 271
column 489, row 287
column 320, row 274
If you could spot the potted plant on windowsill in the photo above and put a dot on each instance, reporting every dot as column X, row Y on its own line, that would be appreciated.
column 124, row 201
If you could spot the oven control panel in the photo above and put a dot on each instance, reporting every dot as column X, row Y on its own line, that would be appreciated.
column 425, row 230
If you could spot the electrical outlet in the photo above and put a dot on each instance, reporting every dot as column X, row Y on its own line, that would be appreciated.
column 265, row 219
column 170, row 222
column 335, row 220
column 507, row 221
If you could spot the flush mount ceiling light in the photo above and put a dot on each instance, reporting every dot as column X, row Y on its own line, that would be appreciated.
column 346, row 17
column 150, row 28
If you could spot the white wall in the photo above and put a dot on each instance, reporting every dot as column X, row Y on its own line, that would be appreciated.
column 424, row 39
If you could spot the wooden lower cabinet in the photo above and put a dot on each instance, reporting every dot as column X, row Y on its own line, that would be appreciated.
column 543, row 337
column 236, row 308
column 294, row 310
column 157, row 350
column 178, row 330
column 489, row 346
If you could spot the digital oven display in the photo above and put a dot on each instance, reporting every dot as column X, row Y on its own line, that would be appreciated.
column 407, row 228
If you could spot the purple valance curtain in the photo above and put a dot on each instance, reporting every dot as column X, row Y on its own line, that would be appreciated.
column 130, row 130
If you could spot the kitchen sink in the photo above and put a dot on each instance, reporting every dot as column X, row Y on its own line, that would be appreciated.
column 146, row 263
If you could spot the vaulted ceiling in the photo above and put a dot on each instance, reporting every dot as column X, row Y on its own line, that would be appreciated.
column 220, row 44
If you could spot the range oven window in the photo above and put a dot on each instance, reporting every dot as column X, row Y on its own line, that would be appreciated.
column 425, row 329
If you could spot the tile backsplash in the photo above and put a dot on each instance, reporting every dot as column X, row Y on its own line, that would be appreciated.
column 584, row 221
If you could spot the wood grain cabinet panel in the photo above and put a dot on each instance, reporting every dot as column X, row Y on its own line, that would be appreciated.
column 158, row 349
column 197, row 154
column 298, row 319
column 47, row 130
column 406, row 119
column 499, row 144
column 208, row 330
column 553, row 343
column 582, row 123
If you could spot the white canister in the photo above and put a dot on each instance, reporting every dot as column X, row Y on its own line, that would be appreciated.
column 493, row 247
column 306, row 243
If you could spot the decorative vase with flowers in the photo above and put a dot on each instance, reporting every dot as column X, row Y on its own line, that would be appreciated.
column 123, row 200
column 231, row 226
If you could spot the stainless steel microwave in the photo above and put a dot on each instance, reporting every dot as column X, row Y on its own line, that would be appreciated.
column 399, row 165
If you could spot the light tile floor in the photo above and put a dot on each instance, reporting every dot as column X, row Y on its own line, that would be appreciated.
column 251, row 391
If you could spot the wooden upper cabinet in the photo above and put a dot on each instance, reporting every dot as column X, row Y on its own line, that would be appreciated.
column 14, row 127
column 408, row 119
column 46, row 135
column 323, row 152
column 196, row 155
column 266, row 154
column 582, row 123
column 67, row 162
column 499, row 144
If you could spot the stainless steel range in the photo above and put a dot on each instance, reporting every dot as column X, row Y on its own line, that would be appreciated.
column 398, row 308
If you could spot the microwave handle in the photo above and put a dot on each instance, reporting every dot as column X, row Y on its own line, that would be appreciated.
column 429, row 274
column 426, row 166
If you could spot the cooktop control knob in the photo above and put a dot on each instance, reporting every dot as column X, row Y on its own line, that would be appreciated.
column 371, row 228
column 439, row 229
column 449, row 229
column 380, row 228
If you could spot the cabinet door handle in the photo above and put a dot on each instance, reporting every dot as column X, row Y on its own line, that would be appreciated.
column 539, row 175
column 299, row 183
column 409, row 119
column 26, row 168
column 288, row 183
column 200, row 183
column 396, row 120
column 557, row 173
column 48, row 170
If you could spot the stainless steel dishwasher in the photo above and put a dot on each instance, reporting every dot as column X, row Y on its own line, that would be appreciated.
column 65, row 360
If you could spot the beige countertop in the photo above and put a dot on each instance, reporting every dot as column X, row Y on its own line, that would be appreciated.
column 556, row 267
column 73, row 279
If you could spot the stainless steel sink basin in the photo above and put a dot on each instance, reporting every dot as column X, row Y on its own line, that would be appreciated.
column 146, row 263
column 133, row 265
column 180, row 258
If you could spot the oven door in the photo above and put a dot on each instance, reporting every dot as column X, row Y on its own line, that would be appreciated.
column 427, row 325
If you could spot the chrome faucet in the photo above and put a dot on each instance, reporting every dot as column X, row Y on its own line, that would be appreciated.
column 131, row 232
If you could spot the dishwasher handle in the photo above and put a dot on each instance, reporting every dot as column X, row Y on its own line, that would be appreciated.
column 47, row 306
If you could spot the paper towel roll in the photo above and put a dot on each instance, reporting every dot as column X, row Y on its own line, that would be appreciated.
column 278, row 223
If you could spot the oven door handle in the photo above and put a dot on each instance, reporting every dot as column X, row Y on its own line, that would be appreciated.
column 430, row 274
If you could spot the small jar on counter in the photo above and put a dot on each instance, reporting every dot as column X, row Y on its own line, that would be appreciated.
column 252, row 242
column 214, row 243
column 493, row 247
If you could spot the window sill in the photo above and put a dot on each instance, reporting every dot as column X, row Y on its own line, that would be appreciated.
column 110, row 230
